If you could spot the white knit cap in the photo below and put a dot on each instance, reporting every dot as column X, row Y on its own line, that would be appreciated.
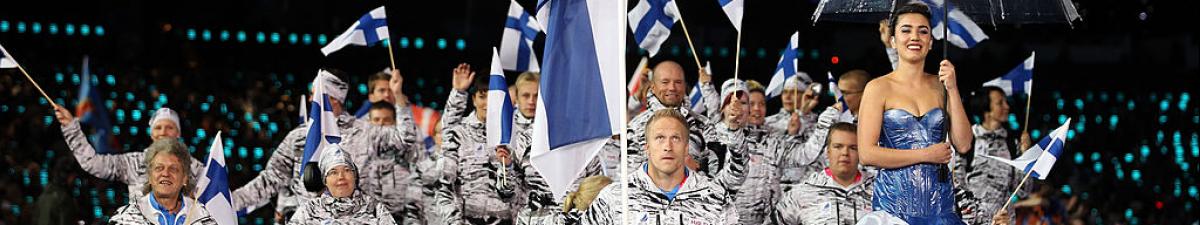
column 165, row 113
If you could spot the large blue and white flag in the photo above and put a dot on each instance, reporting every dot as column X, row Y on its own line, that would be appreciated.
column 6, row 60
column 786, row 67
column 964, row 33
column 499, row 106
column 733, row 9
column 213, row 185
column 369, row 28
column 1019, row 80
column 516, row 47
column 696, row 97
column 581, row 98
column 845, row 115
column 651, row 21
column 322, row 123
column 1040, row 158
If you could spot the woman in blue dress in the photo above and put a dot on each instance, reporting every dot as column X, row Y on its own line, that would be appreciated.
column 903, row 131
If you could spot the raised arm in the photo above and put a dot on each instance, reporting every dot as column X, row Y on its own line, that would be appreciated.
column 118, row 167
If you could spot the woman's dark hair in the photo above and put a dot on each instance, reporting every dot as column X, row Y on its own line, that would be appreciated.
column 981, row 101
column 914, row 7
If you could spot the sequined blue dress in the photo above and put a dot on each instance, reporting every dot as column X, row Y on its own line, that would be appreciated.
column 916, row 193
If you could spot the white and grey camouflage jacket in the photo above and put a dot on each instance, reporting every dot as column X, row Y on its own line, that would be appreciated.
column 141, row 212
column 988, row 182
column 699, row 201
column 383, row 154
column 821, row 200
column 128, row 168
column 468, row 190
column 356, row 209
column 767, row 154
column 779, row 122
column 810, row 156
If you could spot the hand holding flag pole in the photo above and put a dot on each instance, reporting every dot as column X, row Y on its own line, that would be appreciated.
column 22, row 69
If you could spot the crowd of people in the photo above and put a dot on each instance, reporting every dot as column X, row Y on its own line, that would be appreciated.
column 921, row 158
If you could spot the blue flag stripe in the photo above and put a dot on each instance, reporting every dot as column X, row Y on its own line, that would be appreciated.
column 572, row 88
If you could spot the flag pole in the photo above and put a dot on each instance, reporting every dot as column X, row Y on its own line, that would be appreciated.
column 35, row 84
column 737, row 62
column 689, row 40
column 391, row 55
column 1028, row 104
column 1014, row 193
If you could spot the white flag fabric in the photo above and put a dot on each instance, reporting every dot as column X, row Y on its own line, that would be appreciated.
column 6, row 60
column 733, row 9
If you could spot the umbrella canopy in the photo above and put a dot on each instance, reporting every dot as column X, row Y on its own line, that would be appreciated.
column 981, row 11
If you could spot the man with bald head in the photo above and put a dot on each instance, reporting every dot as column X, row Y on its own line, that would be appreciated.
column 668, row 88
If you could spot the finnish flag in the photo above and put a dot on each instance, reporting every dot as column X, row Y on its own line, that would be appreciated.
column 369, row 28
column 322, row 123
column 516, row 47
column 786, row 67
column 1040, row 158
column 581, row 99
column 651, row 21
column 499, row 106
column 214, row 185
column 1019, row 80
column 964, row 33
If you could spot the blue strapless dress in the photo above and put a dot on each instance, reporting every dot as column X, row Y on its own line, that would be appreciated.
column 916, row 193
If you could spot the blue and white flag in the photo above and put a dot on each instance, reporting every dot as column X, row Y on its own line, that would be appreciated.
column 696, row 97
column 964, row 33
column 651, row 21
column 6, row 60
column 1040, row 158
column 1019, row 80
column 516, row 47
column 499, row 106
column 581, row 98
column 322, row 123
column 786, row 67
column 733, row 9
column 369, row 28
column 214, row 185
column 845, row 115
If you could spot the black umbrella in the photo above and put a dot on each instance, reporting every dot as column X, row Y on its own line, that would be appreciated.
column 991, row 12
